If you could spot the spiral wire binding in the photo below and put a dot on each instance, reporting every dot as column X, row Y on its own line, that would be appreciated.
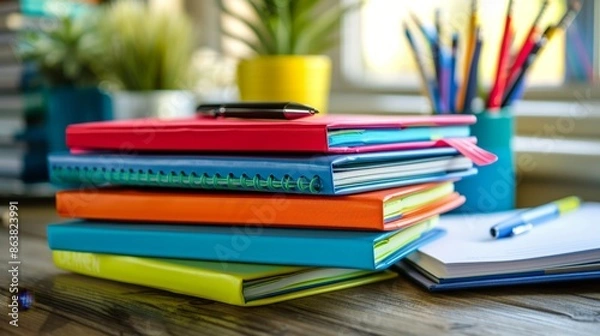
column 181, row 179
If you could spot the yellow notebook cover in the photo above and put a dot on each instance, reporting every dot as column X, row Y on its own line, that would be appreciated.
column 232, row 283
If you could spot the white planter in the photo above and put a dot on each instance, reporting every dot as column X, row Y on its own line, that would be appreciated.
column 158, row 104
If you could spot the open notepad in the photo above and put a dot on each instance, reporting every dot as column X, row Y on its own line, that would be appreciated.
column 569, row 246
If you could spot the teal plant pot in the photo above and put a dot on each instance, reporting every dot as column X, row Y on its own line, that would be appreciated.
column 494, row 187
column 68, row 106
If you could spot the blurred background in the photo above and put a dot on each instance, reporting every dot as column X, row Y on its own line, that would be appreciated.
column 71, row 61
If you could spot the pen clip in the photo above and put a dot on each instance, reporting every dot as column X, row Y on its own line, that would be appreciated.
column 209, row 111
column 521, row 229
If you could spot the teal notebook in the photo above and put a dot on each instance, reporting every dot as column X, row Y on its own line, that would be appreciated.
column 299, row 247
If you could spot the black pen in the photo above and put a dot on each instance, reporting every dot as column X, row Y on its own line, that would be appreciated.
column 258, row 110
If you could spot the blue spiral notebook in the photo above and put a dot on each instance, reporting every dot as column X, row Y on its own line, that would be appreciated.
column 320, row 174
column 299, row 247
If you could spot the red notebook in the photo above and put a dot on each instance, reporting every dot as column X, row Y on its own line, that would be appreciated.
column 326, row 134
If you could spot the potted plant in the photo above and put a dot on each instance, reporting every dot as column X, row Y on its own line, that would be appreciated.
column 289, row 38
column 67, row 53
column 149, row 53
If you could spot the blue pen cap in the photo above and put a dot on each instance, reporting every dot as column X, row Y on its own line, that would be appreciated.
column 505, row 228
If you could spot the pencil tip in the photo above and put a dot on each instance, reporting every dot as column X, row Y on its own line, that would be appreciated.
column 575, row 5
column 545, row 4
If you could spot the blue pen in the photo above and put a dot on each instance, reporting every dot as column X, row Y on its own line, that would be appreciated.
column 433, row 86
column 429, row 33
column 435, row 94
column 526, row 220
column 430, row 85
column 519, row 91
column 519, row 81
column 439, row 63
column 445, row 83
column 453, row 85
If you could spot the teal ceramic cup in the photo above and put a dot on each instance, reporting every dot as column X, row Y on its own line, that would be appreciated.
column 494, row 187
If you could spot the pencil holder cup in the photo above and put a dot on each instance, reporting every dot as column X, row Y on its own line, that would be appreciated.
column 494, row 187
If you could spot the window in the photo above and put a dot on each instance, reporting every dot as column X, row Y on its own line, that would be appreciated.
column 384, row 57
column 376, row 53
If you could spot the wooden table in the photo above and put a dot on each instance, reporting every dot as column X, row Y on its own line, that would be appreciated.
column 69, row 304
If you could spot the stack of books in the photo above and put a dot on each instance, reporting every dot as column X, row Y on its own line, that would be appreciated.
column 251, row 212
column 23, row 148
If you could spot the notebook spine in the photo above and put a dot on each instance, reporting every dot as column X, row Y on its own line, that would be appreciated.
column 161, row 178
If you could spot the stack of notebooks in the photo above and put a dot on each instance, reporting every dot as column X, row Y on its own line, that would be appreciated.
column 251, row 212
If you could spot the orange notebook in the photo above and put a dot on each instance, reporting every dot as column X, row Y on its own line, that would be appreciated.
column 379, row 210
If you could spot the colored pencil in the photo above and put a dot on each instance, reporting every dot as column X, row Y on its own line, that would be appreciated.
column 433, row 85
column 497, row 92
column 429, row 35
column 532, row 36
column 514, row 89
column 467, row 55
column 428, row 86
column 565, row 21
column 472, row 82
column 440, row 71
column 581, row 53
column 549, row 33
column 453, row 84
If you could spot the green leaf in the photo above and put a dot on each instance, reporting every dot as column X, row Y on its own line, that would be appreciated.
column 58, row 51
column 148, row 49
column 321, row 47
column 290, row 26
column 253, row 46
column 284, row 27
column 263, row 14
column 322, row 28
column 302, row 14
column 262, row 36
column 302, row 6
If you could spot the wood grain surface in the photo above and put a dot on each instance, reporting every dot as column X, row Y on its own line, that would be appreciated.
column 69, row 304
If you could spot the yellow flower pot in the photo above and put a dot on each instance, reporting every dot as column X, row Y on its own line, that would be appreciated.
column 301, row 79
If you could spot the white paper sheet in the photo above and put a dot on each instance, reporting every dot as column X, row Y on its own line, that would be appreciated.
column 469, row 249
